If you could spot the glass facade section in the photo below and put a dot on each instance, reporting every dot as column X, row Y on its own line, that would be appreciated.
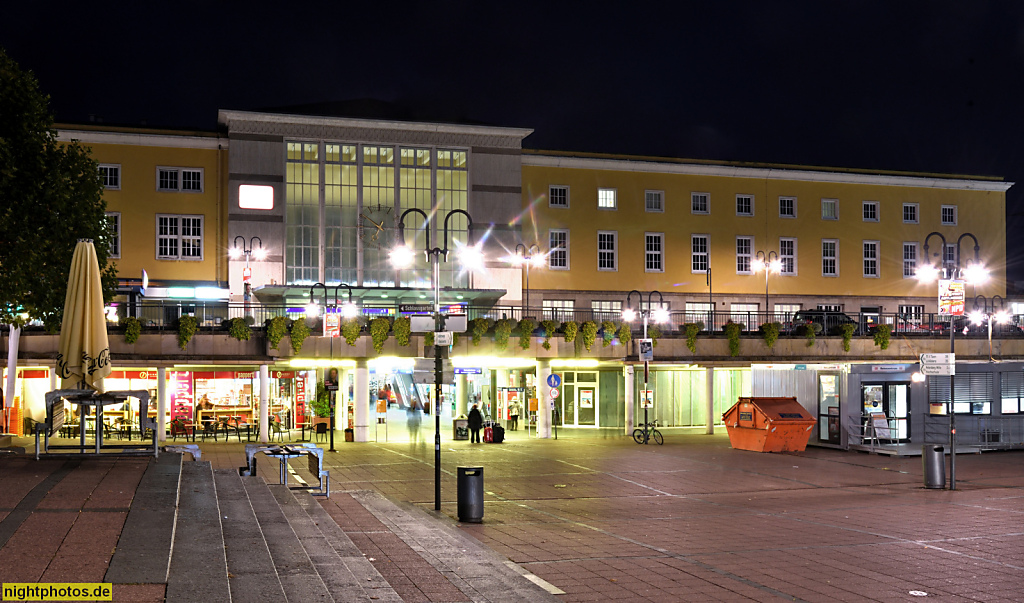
column 452, row 193
column 378, row 188
column 341, row 223
column 302, row 218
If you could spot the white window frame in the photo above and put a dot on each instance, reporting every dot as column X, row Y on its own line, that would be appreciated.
column 115, row 234
column 749, row 255
column 917, row 213
column 116, row 167
column 603, row 309
column 744, row 313
column 660, row 236
column 551, row 196
column 603, row 194
column 864, row 210
column 785, row 198
column 179, row 237
column 706, row 254
column 180, row 172
column 835, row 209
column 614, row 251
column 558, row 309
column 876, row 247
column 553, row 250
column 700, row 203
column 942, row 215
column 748, row 198
column 910, row 262
column 833, row 258
column 651, row 195
column 782, row 256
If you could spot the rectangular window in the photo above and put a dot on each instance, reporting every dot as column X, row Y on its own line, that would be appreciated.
column 829, row 257
column 830, row 307
column 870, row 211
column 787, row 256
column 949, row 215
column 179, row 237
column 110, row 174
column 302, row 214
column 606, row 198
column 1012, row 387
column 558, row 243
column 912, row 314
column 785, row 312
column 558, row 309
column 787, row 207
column 654, row 252
column 745, row 315
column 973, row 392
column 910, row 213
column 744, row 205
column 909, row 260
column 558, row 196
column 871, row 259
column 830, row 209
column 744, row 245
column 114, row 228
column 699, row 258
column 654, row 201
column 700, row 203
column 606, row 310
column 169, row 179
column 607, row 250
column 949, row 254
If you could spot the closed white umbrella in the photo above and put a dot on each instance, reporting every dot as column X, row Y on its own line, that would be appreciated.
column 83, row 356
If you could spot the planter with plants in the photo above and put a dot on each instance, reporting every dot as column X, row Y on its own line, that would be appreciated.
column 379, row 328
column 502, row 331
column 132, row 329
column 608, row 332
column 277, row 328
column 691, row 329
column 588, row 331
column 239, row 329
column 299, row 333
column 187, row 327
column 549, row 327
column 732, row 332
column 526, row 327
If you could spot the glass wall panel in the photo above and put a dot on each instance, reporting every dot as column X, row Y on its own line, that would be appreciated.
column 452, row 193
column 341, row 223
column 378, row 193
column 302, row 192
column 415, row 192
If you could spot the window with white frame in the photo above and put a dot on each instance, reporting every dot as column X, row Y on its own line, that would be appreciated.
column 558, row 245
column 787, row 255
column 607, row 250
column 949, row 215
column 179, row 179
column 912, row 313
column 830, row 209
column 744, row 205
column 787, row 207
column 909, row 260
column 558, row 196
column 654, row 201
column 110, row 175
column 829, row 257
column 654, row 252
column 179, row 237
column 698, row 311
column 699, row 253
column 949, row 254
column 785, row 312
column 830, row 307
column 700, row 203
column 744, row 253
column 114, row 228
column 1012, row 388
column 558, row 309
column 745, row 315
column 871, row 259
column 606, row 198
column 870, row 210
column 910, row 213
column 606, row 310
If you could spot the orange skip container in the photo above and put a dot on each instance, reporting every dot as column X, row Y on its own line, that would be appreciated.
column 768, row 425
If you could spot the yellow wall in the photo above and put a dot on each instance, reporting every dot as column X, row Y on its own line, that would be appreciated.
column 979, row 212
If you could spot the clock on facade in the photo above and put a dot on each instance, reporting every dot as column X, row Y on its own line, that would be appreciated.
column 377, row 224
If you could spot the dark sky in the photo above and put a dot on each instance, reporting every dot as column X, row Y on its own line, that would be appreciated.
column 919, row 86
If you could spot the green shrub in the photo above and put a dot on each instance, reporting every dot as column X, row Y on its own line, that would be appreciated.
column 654, row 333
column 502, row 331
column 239, row 329
column 480, row 328
column 321, row 403
column 571, row 329
column 608, row 331
column 350, row 330
column 549, row 326
column 277, row 328
column 691, row 329
column 299, row 334
column 403, row 330
column 847, row 331
column 187, row 327
column 379, row 328
column 626, row 333
column 732, row 331
column 771, row 331
column 882, row 334
column 526, row 327
column 589, row 332
column 428, row 339
column 132, row 329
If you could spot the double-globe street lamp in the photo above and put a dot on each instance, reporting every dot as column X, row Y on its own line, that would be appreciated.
column 251, row 250
column 659, row 315
column 527, row 256
column 348, row 310
column 989, row 310
column 955, row 293
column 402, row 256
column 770, row 263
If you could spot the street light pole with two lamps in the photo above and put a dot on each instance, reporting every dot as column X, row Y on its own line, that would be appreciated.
column 402, row 257
column 237, row 252
column 348, row 310
column 989, row 312
column 660, row 315
column 770, row 263
column 527, row 256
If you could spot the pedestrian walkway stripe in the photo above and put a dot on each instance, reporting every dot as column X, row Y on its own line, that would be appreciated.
column 541, row 582
column 13, row 521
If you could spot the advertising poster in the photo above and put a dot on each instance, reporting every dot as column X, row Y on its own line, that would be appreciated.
column 182, row 399
column 647, row 398
column 952, row 297
column 586, row 398
column 300, row 395
column 332, row 324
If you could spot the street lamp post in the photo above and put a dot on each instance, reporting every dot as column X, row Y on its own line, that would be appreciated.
column 769, row 262
column 238, row 251
column 527, row 256
column 659, row 315
column 402, row 257
column 349, row 310
column 989, row 312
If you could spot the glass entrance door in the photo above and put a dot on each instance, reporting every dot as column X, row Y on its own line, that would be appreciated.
column 887, row 407
column 579, row 401
column 828, row 408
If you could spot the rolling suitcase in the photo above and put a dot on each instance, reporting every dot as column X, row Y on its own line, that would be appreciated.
column 488, row 434
column 498, row 435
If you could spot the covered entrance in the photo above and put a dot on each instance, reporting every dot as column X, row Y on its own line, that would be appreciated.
column 578, row 404
column 886, row 408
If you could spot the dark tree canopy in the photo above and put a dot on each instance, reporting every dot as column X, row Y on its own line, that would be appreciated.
column 50, row 196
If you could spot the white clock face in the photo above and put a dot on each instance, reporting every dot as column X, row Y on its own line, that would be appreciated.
column 377, row 224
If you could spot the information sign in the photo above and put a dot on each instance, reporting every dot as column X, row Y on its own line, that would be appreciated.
column 554, row 380
column 938, row 369
column 646, row 347
column 938, row 358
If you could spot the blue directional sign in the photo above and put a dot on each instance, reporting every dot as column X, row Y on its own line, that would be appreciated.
column 554, row 380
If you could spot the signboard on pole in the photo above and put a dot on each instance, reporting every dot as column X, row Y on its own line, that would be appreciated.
column 938, row 358
column 332, row 324
column 554, row 393
column 647, row 398
column 938, row 369
column 646, row 347
column 952, row 297
column 554, row 380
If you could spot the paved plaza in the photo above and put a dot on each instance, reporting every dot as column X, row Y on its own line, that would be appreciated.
column 593, row 516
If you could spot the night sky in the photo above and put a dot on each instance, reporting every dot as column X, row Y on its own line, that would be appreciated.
column 918, row 86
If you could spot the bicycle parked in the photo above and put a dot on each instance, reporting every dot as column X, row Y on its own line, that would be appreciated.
column 645, row 432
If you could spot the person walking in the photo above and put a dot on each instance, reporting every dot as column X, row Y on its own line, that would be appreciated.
column 475, row 422
column 514, row 411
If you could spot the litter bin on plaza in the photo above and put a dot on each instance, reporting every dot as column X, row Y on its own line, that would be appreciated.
column 768, row 425
column 470, row 493
column 460, row 428
column 934, row 460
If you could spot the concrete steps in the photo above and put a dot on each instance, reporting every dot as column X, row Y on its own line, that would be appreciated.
column 198, row 569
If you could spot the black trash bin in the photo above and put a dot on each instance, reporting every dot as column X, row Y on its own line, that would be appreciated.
column 934, row 461
column 470, row 494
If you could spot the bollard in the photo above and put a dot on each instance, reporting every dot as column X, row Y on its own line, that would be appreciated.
column 934, row 462
column 470, row 486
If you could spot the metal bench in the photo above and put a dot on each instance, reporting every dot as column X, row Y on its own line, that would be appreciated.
column 84, row 398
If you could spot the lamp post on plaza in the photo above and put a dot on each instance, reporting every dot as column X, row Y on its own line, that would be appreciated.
column 952, row 299
column 527, row 256
column 402, row 257
column 659, row 315
column 348, row 310
column 238, row 251
column 989, row 312
column 769, row 262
